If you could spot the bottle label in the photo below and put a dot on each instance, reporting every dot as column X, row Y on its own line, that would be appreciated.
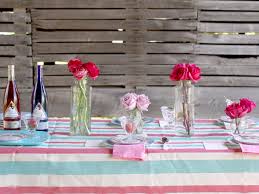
column 11, row 111
column 40, row 112
column 12, row 124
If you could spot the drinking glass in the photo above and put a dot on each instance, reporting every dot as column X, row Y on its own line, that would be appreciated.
column 130, row 126
column 31, row 123
column 168, row 115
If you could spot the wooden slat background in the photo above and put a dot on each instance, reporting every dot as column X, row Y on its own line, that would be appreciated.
column 135, row 43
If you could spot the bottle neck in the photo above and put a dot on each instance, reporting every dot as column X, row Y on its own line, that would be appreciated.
column 39, row 73
column 11, row 74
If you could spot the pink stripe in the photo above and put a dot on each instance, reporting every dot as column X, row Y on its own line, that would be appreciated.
column 32, row 150
column 133, row 189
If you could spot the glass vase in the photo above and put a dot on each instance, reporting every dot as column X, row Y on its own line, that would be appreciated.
column 184, row 106
column 80, row 108
column 136, row 116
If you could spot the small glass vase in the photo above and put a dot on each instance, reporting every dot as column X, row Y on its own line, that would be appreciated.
column 80, row 108
column 136, row 116
column 239, row 125
column 184, row 106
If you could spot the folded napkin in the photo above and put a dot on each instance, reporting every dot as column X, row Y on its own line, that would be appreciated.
column 249, row 148
column 132, row 152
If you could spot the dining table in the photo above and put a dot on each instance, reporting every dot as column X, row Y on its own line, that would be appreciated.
column 208, row 161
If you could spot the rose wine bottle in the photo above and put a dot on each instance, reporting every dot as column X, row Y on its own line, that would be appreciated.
column 11, row 107
column 39, row 100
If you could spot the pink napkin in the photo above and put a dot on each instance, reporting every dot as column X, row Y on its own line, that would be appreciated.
column 133, row 152
column 249, row 148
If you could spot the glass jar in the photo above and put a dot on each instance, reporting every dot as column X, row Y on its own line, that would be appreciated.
column 80, row 108
column 184, row 106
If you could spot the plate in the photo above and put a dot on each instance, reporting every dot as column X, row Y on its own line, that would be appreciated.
column 122, row 139
column 116, row 121
column 22, row 138
column 246, row 139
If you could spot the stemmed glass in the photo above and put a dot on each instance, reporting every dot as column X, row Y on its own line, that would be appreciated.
column 130, row 126
column 168, row 115
column 31, row 123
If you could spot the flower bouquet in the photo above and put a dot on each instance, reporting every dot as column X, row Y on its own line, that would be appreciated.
column 238, row 110
column 81, row 95
column 135, row 105
column 185, row 75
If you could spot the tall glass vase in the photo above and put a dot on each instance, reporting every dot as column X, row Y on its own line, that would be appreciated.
column 80, row 108
column 184, row 106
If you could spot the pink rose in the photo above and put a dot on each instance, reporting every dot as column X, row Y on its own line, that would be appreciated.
column 80, row 73
column 193, row 72
column 235, row 110
column 247, row 104
column 92, row 70
column 74, row 64
column 179, row 72
column 143, row 102
column 129, row 101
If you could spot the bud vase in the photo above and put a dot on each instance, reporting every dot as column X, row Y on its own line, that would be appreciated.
column 136, row 116
column 80, row 108
column 184, row 106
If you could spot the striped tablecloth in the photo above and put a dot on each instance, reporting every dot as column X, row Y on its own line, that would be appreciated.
column 76, row 164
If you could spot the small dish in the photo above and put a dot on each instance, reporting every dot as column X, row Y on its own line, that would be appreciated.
column 22, row 138
column 122, row 139
column 246, row 139
column 116, row 121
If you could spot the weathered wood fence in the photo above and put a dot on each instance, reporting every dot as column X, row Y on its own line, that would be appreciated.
column 135, row 43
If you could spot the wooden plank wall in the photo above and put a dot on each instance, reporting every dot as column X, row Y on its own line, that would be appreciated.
column 136, row 42
column 15, row 48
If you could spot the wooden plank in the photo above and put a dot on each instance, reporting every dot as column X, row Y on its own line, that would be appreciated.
column 225, row 61
column 115, row 24
column 25, row 82
column 10, row 17
column 12, row 51
column 228, row 27
column 97, row 4
column 169, row 48
column 228, row 5
column 14, row 28
column 226, row 50
column 25, row 62
column 245, row 70
column 113, row 14
column 77, row 36
column 228, row 16
column 228, row 39
column 171, row 36
column 97, row 58
column 12, row 39
column 44, row 48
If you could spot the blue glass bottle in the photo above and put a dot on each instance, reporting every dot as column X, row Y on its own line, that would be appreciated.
column 39, row 100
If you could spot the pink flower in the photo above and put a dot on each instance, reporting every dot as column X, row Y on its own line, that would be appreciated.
column 193, row 72
column 143, row 102
column 92, row 70
column 80, row 73
column 247, row 104
column 235, row 110
column 179, row 72
column 74, row 64
column 129, row 101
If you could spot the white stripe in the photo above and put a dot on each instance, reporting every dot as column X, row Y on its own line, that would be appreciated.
column 175, row 179
column 107, row 157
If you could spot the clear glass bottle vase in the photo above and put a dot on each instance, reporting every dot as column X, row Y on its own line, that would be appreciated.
column 80, row 108
column 184, row 106
column 137, row 117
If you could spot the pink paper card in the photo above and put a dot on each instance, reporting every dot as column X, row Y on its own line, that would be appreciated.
column 249, row 148
column 132, row 152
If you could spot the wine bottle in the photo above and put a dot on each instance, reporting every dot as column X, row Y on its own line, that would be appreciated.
column 39, row 100
column 11, row 106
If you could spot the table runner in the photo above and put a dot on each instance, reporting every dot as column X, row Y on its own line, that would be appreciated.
column 78, row 164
